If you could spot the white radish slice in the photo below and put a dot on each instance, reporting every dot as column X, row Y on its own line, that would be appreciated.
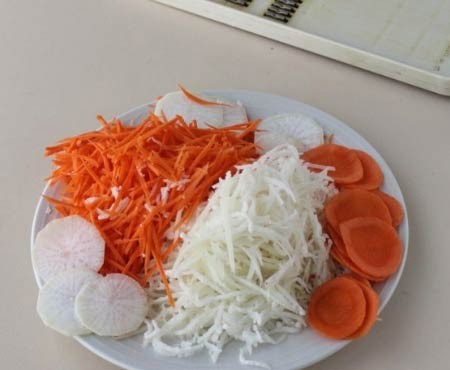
column 67, row 243
column 175, row 103
column 291, row 128
column 234, row 113
column 112, row 306
column 56, row 301
column 269, row 140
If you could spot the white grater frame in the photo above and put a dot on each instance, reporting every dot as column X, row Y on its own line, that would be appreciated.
column 278, row 31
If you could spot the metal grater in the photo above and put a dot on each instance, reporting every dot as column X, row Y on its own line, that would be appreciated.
column 240, row 2
column 279, row 10
column 282, row 10
column 407, row 40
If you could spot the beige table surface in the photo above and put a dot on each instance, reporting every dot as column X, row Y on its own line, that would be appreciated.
column 62, row 62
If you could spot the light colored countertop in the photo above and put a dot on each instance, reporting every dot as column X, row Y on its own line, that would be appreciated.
column 62, row 62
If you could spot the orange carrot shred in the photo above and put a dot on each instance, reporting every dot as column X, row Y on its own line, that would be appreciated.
column 134, row 183
column 196, row 99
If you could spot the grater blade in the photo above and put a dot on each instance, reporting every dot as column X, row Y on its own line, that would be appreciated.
column 240, row 2
column 282, row 10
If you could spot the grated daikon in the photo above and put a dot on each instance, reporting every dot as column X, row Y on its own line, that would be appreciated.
column 249, row 262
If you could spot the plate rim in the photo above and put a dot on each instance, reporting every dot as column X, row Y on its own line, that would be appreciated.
column 136, row 111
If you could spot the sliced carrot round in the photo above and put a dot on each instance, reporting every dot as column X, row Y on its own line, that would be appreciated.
column 339, row 254
column 358, row 278
column 372, row 174
column 336, row 239
column 353, row 203
column 373, row 245
column 346, row 262
column 337, row 308
column 347, row 166
column 394, row 207
column 372, row 305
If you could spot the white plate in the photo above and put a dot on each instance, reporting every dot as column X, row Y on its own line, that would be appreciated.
column 298, row 351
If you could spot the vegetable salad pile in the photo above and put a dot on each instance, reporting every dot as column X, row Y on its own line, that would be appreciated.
column 198, row 227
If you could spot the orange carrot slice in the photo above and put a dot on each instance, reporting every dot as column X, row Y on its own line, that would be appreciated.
column 361, row 280
column 353, row 203
column 373, row 245
column 347, row 166
column 339, row 254
column 336, row 239
column 196, row 99
column 358, row 278
column 372, row 305
column 337, row 308
column 345, row 261
column 372, row 174
column 394, row 207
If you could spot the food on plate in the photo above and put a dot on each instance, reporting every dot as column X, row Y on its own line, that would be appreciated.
column 353, row 203
column 296, row 129
column 197, row 99
column 372, row 244
column 343, row 308
column 206, row 111
column 372, row 305
column 140, row 185
column 55, row 304
column 394, row 207
column 337, row 308
column 344, row 164
column 372, row 174
column 339, row 254
column 176, row 103
column 113, row 305
column 234, row 113
column 371, row 247
column 248, row 263
column 67, row 243
column 211, row 228
column 359, row 279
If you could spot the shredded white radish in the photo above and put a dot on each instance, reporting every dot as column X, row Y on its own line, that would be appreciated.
column 104, row 215
column 115, row 190
column 249, row 262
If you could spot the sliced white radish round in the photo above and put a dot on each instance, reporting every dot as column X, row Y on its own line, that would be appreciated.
column 269, row 140
column 234, row 113
column 176, row 103
column 112, row 306
column 56, row 301
column 67, row 243
column 291, row 128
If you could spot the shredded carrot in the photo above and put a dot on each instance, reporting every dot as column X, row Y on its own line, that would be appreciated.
column 137, row 183
column 198, row 100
